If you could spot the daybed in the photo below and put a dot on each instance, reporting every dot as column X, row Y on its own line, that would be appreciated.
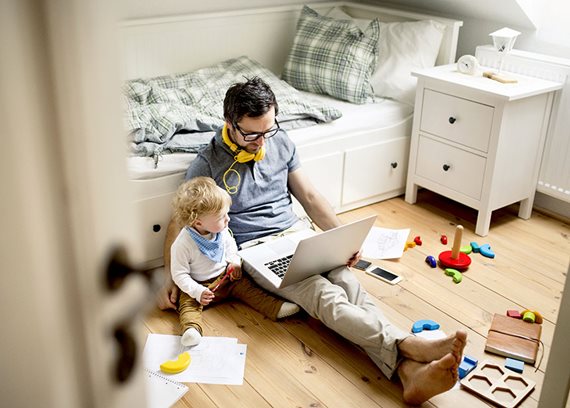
column 358, row 159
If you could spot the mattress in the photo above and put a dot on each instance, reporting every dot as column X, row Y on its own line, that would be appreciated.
column 355, row 118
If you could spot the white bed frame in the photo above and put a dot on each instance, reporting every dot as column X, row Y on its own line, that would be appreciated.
column 349, row 177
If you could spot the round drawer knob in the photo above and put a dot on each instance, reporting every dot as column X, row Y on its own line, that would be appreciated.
column 446, row 167
column 394, row 164
column 452, row 120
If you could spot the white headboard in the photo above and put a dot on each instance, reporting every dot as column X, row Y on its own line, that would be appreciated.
column 169, row 45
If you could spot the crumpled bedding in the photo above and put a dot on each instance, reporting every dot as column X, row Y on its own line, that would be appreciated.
column 179, row 113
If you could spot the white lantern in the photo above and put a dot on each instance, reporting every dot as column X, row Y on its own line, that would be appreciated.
column 503, row 41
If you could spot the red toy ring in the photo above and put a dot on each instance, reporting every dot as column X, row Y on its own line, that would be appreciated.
column 455, row 258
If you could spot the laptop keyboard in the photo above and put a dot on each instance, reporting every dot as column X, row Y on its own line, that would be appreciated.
column 279, row 266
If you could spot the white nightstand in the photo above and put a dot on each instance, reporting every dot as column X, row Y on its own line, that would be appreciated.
column 478, row 141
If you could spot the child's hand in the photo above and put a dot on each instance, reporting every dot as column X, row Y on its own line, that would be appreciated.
column 236, row 273
column 207, row 297
column 355, row 258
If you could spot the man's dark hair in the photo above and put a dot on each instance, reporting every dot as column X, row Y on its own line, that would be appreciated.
column 252, row 98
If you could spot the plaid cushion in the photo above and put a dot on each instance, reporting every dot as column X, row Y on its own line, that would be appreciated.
column 333, row 57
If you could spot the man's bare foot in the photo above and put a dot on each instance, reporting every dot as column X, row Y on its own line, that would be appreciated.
column 422, row 381
column 424, row 350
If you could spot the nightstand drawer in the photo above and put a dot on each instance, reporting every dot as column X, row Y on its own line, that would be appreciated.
column 451, row 167
column 459, row 120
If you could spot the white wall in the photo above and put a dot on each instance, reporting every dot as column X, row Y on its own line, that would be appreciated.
column 553, row 32
column 543, row 40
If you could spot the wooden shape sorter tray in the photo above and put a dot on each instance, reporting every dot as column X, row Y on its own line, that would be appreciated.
column 498, row 385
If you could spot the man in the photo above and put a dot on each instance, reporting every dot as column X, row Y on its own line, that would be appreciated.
column 256, row 162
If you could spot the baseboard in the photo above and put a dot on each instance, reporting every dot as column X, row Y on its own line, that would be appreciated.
column 552, row 206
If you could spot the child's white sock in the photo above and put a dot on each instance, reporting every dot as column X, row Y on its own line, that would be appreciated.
column 287, row 309
column 191, row 337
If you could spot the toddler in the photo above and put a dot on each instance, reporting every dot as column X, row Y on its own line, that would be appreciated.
column 204, row 262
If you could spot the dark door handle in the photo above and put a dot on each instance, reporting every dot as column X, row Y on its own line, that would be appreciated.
column 452, row 120
column 127, row 353
column 446, row 167
column 118, row 269
column 394, row 164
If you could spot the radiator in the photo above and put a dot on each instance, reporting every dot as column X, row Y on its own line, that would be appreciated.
column 554, row 176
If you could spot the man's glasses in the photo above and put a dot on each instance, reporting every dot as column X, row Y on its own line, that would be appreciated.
column 250, row 137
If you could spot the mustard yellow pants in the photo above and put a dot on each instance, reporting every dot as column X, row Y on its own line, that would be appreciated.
column 244, row 289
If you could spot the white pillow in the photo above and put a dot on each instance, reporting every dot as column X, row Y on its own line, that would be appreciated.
column 338, row 14
column 403, row 47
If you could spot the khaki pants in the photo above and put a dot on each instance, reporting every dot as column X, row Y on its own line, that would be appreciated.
column 244, row 289
column 338, row 300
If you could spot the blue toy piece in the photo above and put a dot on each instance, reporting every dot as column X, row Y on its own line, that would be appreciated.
column 430, row 260
column 515, row 365
column 421, row 325
column 486, row 251
column 466, row 366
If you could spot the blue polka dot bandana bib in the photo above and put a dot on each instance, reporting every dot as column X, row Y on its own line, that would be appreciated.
column 213, row 249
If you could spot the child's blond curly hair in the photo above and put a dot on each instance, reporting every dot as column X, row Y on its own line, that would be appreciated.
column 196, row 197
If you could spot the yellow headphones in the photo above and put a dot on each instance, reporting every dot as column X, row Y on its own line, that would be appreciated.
column 242, row 156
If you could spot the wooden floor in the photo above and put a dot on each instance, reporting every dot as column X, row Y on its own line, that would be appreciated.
column 301, row 363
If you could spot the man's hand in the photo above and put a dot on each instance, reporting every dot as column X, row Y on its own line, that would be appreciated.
column 167, row 296
column 207, row 297
column 355, row 258
column 236, row 273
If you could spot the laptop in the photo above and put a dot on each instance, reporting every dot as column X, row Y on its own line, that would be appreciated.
column 296, row 256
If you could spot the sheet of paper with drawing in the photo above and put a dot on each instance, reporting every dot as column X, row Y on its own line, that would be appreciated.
column 216, row 360
column 384, row 243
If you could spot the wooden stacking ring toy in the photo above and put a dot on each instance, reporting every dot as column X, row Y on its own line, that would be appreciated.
column 455, row 258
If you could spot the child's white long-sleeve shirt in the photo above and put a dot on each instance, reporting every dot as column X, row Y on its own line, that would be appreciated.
column 188, row 266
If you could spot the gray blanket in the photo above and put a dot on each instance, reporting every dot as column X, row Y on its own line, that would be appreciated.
column 179, row 113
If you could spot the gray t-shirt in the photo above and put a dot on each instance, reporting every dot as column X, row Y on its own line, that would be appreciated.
column 262, row 204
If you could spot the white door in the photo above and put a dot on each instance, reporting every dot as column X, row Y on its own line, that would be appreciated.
column 68, row 339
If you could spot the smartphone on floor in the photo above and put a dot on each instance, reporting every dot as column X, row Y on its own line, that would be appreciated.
column 384, row 275
column 362, row 265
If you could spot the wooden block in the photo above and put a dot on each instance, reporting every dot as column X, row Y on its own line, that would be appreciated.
column 515, row 314
column 467, row 365
column 515, row 365
column 499, row 78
